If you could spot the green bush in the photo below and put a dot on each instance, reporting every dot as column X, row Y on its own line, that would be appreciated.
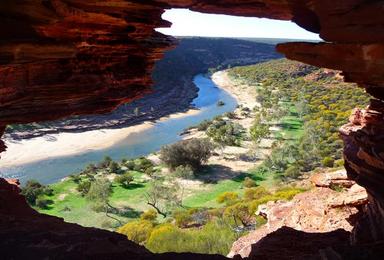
column 225, row 132
column 328, row 162
column 142, row 164
column 125, row 179
column 213, row 238
column 42, row 203
column 83, row 187
column 33, row 189
column 292, row 171
column 204, row 125
column 192, row 152
column 228, row 198
column 256, row 193
column 184, row 172
column 249, row 183
column 182, row 218
column 150, row 215
column 138, row 231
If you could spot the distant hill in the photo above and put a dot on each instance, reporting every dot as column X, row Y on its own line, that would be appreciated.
column 173, row 89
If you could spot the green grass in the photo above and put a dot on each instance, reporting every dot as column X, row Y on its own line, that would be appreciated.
column 70, row 205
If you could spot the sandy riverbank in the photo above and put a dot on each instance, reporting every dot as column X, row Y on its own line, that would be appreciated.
column 65, row 144
column 244, row 95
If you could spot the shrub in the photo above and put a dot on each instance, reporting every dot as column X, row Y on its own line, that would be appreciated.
column 83, row 187
column 33, row 189
column 137, row 231
column 182, row 218
column 42, row 203
column 292, row 171
column 225, row 132
column 213, row 238
column 204, row 125
column 76, row 178
column 130, row 165
column 228, row 198
column 184, row 172
column 114, row 167
column 328, row 162
column 256, row 193
column 192, row 152
column 259, row 131
column 249, row 183
column 150, row 215
column 125, row 179
column 142, row 164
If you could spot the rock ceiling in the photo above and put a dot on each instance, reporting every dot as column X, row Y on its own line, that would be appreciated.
column 68, row 57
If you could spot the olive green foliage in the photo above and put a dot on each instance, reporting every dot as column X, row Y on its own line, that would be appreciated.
column 249, row 183
column 320, row 100
column 225, row 132
column 125, row 179
column 259, row 131
column 213, row 238
column 185, row 172
column 228, row 198
column 33, row 191
column 137, row 231
column 149, row 215
column 192, row 152
column 83, row 187
column 328, row 162
column 99, row 193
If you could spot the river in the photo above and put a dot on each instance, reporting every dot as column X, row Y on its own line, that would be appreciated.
column 135, row 145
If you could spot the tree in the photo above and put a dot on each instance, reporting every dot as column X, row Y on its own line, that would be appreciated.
column 99, row 193
column 33, row 189
column 83, row 187
column 192, row 152
column 163, row 195
column 259, row 131
column 125, row 179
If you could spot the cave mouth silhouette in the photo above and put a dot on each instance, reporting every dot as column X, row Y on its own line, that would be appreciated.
column 357, row 54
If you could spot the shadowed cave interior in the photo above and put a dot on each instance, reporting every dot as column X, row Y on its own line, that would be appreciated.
column 100, row 54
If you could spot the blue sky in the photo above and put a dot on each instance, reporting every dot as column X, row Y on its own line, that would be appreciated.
column 188, row 23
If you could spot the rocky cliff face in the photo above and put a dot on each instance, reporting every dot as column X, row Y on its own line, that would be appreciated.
column 332, row 205
column 67, row 57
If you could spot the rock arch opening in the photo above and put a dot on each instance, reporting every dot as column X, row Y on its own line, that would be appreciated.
column 82, row 45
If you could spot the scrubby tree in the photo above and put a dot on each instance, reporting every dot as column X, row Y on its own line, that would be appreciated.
column 33, row 189
column 125, row 179
column 192, row 152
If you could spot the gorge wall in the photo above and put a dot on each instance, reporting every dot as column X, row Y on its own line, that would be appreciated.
column 72, row 57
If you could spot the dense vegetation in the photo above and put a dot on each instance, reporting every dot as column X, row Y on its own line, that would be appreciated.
column 315, row 98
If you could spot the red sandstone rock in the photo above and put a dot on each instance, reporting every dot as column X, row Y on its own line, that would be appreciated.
column 319, row 210
column 66, row 57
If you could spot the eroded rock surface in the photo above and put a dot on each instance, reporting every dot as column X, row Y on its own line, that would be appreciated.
column 71, row 57
column 319, row 210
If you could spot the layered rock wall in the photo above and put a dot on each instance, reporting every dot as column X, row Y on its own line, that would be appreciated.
column 67, row 57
